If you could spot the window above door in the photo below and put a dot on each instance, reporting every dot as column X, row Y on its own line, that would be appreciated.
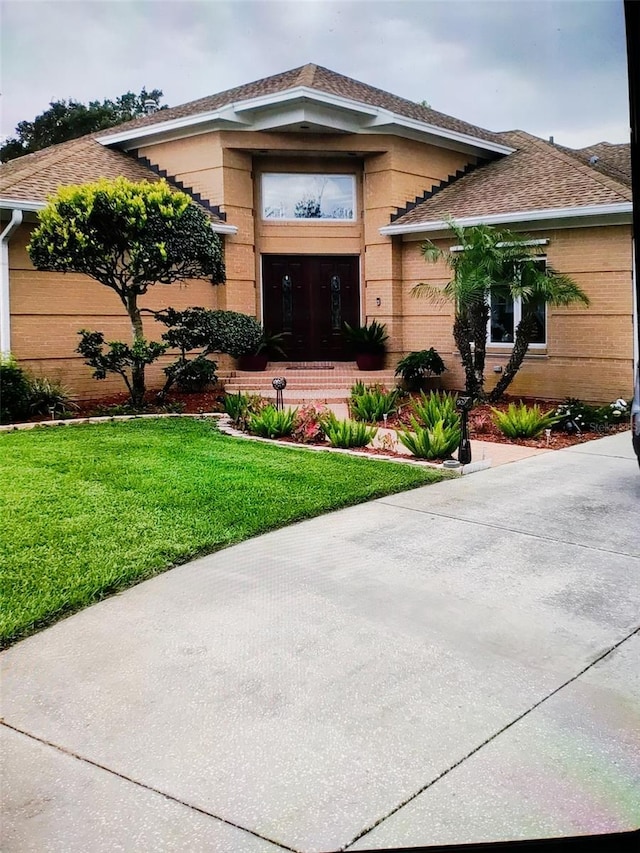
column 299, row 196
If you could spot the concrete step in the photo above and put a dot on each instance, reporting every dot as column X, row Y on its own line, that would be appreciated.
column 322, row 382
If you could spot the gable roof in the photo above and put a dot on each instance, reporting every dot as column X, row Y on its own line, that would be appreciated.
column 311, row 79
column 538, row 176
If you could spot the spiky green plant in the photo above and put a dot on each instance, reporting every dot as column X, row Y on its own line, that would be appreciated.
column 521, row 421
column 272, row 422
column 434, row 442
column 240, row 406
column 371, row 403
column 348, row 433
column 47, row 394
column 428, row 409
column 370, row 338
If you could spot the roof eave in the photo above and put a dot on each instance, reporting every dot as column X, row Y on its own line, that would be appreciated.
column 240, row 116
column 568, row 217
column 33, row 206
column 21, row 204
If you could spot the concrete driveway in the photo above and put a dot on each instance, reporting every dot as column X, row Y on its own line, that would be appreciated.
column 454, row 664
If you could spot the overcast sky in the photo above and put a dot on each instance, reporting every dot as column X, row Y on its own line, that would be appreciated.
column 551, row 67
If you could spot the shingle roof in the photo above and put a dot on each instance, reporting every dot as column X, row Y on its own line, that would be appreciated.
column 613, row 160
column 323, row 80
column 537, row 176
column 36, row 176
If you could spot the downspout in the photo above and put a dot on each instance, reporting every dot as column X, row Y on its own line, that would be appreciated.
column 5, row 307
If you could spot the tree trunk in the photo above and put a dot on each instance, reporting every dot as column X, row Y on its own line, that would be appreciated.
column 137, row 368
column 462, row 337
column 479, row 317
column 524, row 333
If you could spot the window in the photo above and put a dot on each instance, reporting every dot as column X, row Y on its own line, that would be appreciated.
column 506, row 313
column 292, row 196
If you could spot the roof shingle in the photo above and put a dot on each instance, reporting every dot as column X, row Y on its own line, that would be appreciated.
column 38, row 175
column 537, row 176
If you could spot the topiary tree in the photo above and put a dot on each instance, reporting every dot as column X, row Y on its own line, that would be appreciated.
column 128, row 236
column 506, row 263
column 207, row 331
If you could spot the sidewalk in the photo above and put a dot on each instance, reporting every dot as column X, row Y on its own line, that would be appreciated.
column 458, row 663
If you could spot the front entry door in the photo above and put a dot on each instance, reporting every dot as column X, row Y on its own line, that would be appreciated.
column 309, row 298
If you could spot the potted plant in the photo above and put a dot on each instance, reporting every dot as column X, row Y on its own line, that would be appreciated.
column 269, row 346
column 417, row 368
column 369, row 343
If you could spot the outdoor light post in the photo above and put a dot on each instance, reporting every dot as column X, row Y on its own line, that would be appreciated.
column 463, row 405
column 279, row 384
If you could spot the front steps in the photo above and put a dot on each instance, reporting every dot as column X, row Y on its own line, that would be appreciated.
column 307, row 382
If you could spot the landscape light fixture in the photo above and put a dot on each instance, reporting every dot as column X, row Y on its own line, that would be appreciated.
column 279, row 384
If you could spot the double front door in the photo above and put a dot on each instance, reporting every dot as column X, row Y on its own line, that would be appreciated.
column 309, row 298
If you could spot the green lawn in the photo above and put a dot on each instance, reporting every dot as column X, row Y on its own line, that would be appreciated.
column 88, row 510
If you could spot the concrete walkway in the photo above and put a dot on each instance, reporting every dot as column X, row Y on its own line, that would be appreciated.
column 458, row 663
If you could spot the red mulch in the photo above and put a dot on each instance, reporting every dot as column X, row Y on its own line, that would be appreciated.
column 481, row 426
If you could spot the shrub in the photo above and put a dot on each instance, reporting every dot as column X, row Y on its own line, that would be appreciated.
column 348, row 433
column 428, row 409
column 520, row 421
column 272, row 422
column 371, row 403
column 434, row 442
column 127, row 361
column 47, row 394
column 191, row 375
column 309, row 425
column 415, row 367
column 615, row 412
column 14, row 399
column 574, row 416
column 210, row 331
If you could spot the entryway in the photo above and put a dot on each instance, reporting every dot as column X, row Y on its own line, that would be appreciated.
column 309, row 298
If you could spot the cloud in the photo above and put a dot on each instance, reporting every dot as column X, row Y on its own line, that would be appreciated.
column 547, row 67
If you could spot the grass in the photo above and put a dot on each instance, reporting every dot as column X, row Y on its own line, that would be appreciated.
column 90, row 510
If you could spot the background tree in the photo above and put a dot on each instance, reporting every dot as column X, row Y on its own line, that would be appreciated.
column 491, row 259
column 66, row 120
column 128, row 236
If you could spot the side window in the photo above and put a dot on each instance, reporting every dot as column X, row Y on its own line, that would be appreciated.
column 506, row 313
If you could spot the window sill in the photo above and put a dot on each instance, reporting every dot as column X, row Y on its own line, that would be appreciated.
column 505, row 350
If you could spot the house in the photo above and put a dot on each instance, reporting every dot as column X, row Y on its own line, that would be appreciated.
column 323, row 189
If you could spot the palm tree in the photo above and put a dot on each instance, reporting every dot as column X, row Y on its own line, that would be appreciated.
column 490, row 259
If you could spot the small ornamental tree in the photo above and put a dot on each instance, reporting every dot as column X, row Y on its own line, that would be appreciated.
column 508, row 264
column 207, row 331
column 128, row 236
